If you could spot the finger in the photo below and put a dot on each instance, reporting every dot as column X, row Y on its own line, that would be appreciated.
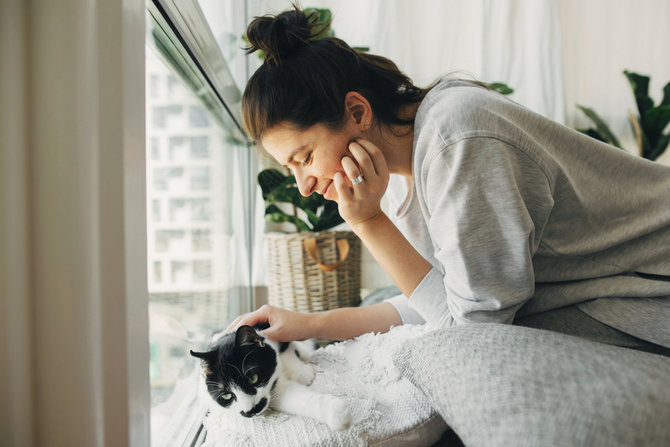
column 250, row 319
column 350, row 168
column 376, row 156
column 362, row 159
column 234, row 324
column 343, row 189
column 270, row 333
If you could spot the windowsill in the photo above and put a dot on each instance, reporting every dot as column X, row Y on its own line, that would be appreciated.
column 183, row 426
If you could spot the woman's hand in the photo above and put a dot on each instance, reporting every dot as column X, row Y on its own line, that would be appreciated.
column 285, row 325
column 358, row 203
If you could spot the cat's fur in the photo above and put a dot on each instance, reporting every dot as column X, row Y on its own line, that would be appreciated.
column 245, row 373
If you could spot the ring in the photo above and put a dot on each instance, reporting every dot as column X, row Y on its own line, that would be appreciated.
column 357, row 180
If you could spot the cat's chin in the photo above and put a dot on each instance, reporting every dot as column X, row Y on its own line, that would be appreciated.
column 258, row 409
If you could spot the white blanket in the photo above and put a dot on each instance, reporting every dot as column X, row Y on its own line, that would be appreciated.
column 386, row 409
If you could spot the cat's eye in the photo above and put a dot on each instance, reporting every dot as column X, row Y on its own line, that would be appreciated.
column 227, row 396
column 253, row 379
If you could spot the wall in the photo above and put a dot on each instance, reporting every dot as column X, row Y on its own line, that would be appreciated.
column 601, row 39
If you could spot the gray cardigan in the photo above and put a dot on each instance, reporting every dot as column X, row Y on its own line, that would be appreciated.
column 520, row 215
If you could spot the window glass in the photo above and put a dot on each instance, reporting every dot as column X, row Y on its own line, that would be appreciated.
column 196, row 240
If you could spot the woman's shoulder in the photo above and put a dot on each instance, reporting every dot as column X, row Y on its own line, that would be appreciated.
column 460, row 102
column 455, row 109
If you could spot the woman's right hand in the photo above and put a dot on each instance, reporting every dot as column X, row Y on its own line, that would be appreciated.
column 361, row 202
column 285, row 325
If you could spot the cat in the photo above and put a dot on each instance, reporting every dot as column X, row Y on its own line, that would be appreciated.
column 245, row 374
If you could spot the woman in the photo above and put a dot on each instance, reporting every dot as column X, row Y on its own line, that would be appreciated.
column 498, row 214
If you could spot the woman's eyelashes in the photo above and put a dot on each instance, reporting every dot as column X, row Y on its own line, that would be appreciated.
column 307, row 160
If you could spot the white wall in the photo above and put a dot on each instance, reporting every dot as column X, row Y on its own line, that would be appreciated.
column 601, row 39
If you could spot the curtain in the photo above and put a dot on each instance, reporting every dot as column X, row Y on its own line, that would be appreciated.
column 554, row 53
column 511, row 41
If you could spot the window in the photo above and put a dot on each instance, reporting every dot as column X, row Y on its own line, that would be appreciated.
column 155, row 149
column 199, row 147
column 198, row 116
column 200, row 178
column 201, row 240
column 156, row 210
column 198, row 188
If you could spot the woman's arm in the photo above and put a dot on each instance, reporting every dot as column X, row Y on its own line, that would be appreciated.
column 337, row 324
column 399, row 259
column 360, row 206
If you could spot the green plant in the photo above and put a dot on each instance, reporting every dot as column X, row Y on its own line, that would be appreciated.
column 277, row 188
column 648, row 126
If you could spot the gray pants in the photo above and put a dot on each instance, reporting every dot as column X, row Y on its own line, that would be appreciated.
column 571, row 320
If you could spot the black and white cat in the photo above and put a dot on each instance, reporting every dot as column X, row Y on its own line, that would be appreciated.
column 245, row 373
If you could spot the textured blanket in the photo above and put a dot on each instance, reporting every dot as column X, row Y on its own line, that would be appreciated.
column 386, row 408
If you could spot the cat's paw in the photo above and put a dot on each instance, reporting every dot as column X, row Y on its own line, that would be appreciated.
column 305, row 374
column 338, row 417
column 305, row 351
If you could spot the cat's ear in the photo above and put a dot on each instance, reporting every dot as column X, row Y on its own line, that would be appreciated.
column 246, row 335
column 207, row 359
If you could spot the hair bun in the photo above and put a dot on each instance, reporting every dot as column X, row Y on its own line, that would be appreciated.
column 280, row 36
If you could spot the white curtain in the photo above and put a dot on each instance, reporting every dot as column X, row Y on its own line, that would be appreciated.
column 511, row 41
column 554, row 53
column 73, row 307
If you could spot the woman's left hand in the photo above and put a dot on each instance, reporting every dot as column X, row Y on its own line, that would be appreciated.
column 360, row 202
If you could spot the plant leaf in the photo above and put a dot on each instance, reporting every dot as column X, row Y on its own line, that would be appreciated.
column 323, row 17
column 330, row 216
column 270, row 179
column 654, row 122
column 274, row 214
column 601, row 127
column 640, row 85
column 666, row 95
column 660, row 147
column 501, row 88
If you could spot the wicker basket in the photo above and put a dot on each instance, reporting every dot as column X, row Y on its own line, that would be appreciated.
column 312, row 272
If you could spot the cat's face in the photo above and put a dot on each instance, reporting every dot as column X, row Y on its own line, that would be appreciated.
column 240, row 371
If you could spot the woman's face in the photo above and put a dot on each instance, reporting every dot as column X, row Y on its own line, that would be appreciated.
column 313, row 155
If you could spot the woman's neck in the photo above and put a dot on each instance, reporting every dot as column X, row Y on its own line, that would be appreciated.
column 397, row 143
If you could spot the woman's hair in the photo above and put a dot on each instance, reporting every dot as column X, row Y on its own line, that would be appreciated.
column 304, row 78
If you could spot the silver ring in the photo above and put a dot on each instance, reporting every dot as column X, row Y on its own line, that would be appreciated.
column 357, row 180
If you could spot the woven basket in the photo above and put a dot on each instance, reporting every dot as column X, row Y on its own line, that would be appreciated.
column 312, row 272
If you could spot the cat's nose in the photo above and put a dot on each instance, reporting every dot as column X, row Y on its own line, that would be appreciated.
column 258, row 408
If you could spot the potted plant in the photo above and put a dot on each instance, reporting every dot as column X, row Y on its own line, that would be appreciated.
column 321, row 214
column 648, row 126
column 314, row 268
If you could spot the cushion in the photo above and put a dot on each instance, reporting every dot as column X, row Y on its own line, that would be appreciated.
column 502, row 385
column 387, row 410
